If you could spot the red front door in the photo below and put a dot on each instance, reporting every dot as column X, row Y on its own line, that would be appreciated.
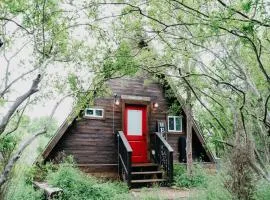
column 135, row 129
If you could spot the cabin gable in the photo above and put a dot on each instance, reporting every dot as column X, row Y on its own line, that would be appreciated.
column 92, row 141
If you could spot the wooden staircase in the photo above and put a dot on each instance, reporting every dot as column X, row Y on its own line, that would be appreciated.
column 146, row 174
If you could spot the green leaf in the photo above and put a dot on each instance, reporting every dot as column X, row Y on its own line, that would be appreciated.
column 246, row 6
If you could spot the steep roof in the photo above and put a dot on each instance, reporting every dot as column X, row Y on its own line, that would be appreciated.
column 195, row 126
column 59, row 134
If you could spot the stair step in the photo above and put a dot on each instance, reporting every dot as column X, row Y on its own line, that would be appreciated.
column 148, row 180
column 145, row 165
column 147, row 172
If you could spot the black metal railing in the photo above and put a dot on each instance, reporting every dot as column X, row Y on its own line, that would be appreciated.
column 164, row 156
column 124, row 157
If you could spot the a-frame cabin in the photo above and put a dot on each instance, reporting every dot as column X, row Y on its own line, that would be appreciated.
column 130, row 133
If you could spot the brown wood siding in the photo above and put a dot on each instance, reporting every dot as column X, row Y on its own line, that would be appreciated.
column 92, row 141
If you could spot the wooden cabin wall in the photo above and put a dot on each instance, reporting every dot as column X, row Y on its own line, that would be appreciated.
column 140, row 87
column 92, row 141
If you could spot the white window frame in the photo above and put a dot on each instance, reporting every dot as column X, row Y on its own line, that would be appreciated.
column 94, row 113
column 174, row 120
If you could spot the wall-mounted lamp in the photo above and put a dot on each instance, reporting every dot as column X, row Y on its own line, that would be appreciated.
column 155, row 105
column 116, row 99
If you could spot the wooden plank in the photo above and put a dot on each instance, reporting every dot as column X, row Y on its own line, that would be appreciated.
column 145, row 165
column 136, row 98
column 50, row 191
column 146, row 172
column 148, row 180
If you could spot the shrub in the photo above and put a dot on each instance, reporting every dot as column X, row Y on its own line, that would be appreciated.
column 78, row 186
column 182, row 179
column 262, row 190
column 39, row 172
column 20, row 189
column 214, row 190
column 241, row 178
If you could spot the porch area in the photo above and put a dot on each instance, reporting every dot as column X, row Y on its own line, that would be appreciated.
column 159, row 169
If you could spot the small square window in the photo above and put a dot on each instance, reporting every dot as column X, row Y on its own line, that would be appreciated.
column 178, row 124
column 94, row 112
column 89, row 112
column 171, row 123
column 99, row 113
column 174, row 123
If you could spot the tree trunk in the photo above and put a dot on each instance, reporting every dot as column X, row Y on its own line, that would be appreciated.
column 189, row 134
column 5, row 173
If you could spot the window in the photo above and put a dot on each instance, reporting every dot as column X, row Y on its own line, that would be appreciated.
column 134, row 123
column 175, row 123
column 94, row 112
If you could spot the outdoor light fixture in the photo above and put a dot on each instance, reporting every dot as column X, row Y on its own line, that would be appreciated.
column 116, row 99
column 155, row 105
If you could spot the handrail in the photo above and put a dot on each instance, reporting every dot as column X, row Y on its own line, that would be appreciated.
column 125, row 141
column 124, row 157
column 170, row 149
column 164, row 156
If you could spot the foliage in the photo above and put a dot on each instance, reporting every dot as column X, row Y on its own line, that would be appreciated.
column 220, row 47
column 76, row 185
column 20, row 189
column 39, row 172
column 182, row 179
column 174, row 108
column 262, row 190
column 214, row 190
column 7, row 145
column 121, row 63
column 241, row 179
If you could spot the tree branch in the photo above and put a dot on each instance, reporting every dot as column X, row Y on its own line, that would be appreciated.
column 242, row 14
column 17, row 155
column 266, row 109
column 18, row 102
column 19, row 120
column 195, row 94
column 17, row 24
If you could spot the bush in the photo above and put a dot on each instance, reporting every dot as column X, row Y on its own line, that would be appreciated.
column 20, row 189
column 262, row 190
column 78, row 186
column 182, row 179
column 214, row 190
column 241, row 178
column 39, row 172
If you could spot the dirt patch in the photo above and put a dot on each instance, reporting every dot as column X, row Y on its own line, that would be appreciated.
column 162, row 193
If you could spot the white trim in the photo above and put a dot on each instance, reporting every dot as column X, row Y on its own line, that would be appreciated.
column 94, row 112
column 136, row 98
column 174, row 123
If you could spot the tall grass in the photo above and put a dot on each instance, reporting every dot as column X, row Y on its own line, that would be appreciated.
column 77, row 185
column 182, row 179
column 20, row 187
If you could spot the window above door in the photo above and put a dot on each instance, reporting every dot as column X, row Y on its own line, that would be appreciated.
column 175, row 124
